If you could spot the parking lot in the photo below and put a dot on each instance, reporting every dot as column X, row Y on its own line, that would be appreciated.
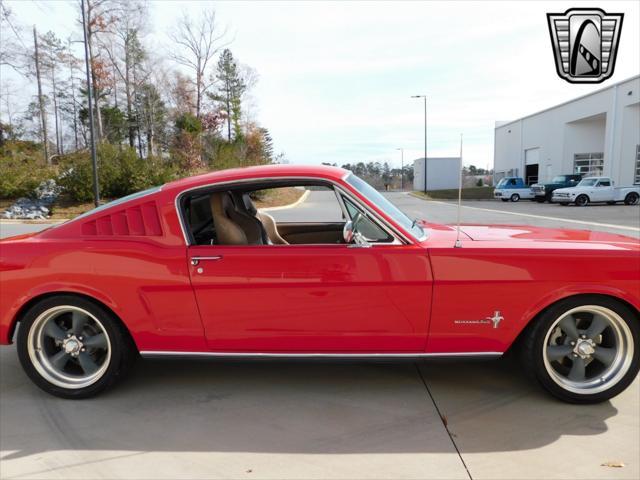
column 277, row 419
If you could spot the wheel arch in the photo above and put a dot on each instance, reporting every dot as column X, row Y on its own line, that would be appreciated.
column 532, row 318
column 42, row 296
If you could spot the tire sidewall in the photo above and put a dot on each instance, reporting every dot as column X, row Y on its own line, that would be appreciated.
column 112, row 327
column 546, row 321
column 515, row 197
column 631, row 199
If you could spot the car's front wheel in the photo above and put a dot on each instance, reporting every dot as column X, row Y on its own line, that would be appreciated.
column 71, row 347
column 584, row 349
column 582, row 200
column 515, row 197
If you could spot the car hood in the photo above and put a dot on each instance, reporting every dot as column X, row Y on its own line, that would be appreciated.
column 564, row 190
column 518, row 232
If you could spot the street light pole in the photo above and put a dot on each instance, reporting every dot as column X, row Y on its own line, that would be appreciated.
column 425, row 138
column 94, row 161
column 401, row 168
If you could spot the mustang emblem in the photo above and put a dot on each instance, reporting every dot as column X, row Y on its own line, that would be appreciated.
column 495, row 320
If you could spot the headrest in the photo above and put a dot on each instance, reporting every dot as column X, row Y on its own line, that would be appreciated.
column 248, row 204
column 221, row 203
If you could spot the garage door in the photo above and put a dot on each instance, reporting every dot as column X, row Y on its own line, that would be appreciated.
column 532, row 156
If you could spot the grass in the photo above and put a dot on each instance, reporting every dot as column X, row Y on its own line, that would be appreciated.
column 66, row 208
column 473, row 193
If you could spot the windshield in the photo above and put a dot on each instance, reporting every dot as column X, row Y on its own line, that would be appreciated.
column 588, row 182
column 560, row 179
column 501, row 182
column 385, row 205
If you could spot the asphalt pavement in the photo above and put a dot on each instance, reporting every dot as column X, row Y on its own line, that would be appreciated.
column 348, row 420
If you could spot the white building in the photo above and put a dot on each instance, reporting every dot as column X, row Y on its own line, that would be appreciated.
column 597, row 134
column 442, row 173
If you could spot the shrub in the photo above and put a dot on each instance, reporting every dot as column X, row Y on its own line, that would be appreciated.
column 120, row 172
column 22, row 169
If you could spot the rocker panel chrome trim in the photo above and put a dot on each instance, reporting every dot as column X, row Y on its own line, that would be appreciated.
column 159, row 353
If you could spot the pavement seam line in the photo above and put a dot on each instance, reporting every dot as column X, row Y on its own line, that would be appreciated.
column 542, row 217
column 442, row 419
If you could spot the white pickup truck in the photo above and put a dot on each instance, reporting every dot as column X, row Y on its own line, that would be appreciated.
column 596, row 189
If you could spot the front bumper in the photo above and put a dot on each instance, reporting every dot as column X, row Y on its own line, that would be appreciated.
column 563, row 197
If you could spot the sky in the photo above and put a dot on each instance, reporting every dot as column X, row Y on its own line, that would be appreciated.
column 335, row 78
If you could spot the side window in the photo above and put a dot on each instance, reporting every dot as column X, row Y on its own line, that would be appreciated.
column 512, row 181
column 604, row 183
column 301, row 204
column 369, row 229
column 197, row 213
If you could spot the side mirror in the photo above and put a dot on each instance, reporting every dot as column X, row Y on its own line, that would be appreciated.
column 351, row 235
column 347, row 232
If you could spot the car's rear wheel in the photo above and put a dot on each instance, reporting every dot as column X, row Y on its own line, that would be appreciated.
column 582, row 200
column 584, row 349
column 515, row 197
column 632, row 199
column 71, row 347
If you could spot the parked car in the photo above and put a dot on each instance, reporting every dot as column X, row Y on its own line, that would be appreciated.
column 192, row 269
column 544, row 191
column 597, row 189
column 512, row 188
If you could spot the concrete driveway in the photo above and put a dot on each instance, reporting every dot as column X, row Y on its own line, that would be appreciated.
column 276, row 419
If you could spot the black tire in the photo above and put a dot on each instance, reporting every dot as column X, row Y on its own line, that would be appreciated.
column 533, row 348
column 582, row 200
column 632, row 198
column 515, row 197
column 122, row 349
column 549, row 197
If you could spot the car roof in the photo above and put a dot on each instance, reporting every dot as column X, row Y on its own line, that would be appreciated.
column 257, row 172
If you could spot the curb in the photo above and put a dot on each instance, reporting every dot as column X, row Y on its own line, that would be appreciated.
column 291, row 205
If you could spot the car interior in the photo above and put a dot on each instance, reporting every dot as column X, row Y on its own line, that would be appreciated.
column 229, row 216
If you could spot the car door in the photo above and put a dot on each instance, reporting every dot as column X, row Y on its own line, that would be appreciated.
column 602, row 191
column 312, row 298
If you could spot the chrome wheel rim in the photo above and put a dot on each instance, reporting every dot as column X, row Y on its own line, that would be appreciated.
column 69, row 347
column 588, row 349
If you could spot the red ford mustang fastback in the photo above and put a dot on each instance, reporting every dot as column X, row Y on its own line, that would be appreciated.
column 192, row 268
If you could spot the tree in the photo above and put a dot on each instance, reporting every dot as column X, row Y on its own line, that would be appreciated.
column 126, row 54
column 200, row 43
column 13, row 51
column 41, row 102
column 152, row 116
column 99, row 18
column 229, row 91
column 52, row 54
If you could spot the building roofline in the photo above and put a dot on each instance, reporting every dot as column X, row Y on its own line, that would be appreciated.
column 510, row 122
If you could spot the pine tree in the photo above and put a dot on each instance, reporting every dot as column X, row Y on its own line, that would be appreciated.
column 229, row 91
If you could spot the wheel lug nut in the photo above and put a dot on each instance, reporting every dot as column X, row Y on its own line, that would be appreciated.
column 84, row 349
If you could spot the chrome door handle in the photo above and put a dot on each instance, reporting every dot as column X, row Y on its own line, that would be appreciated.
column 196, row 260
